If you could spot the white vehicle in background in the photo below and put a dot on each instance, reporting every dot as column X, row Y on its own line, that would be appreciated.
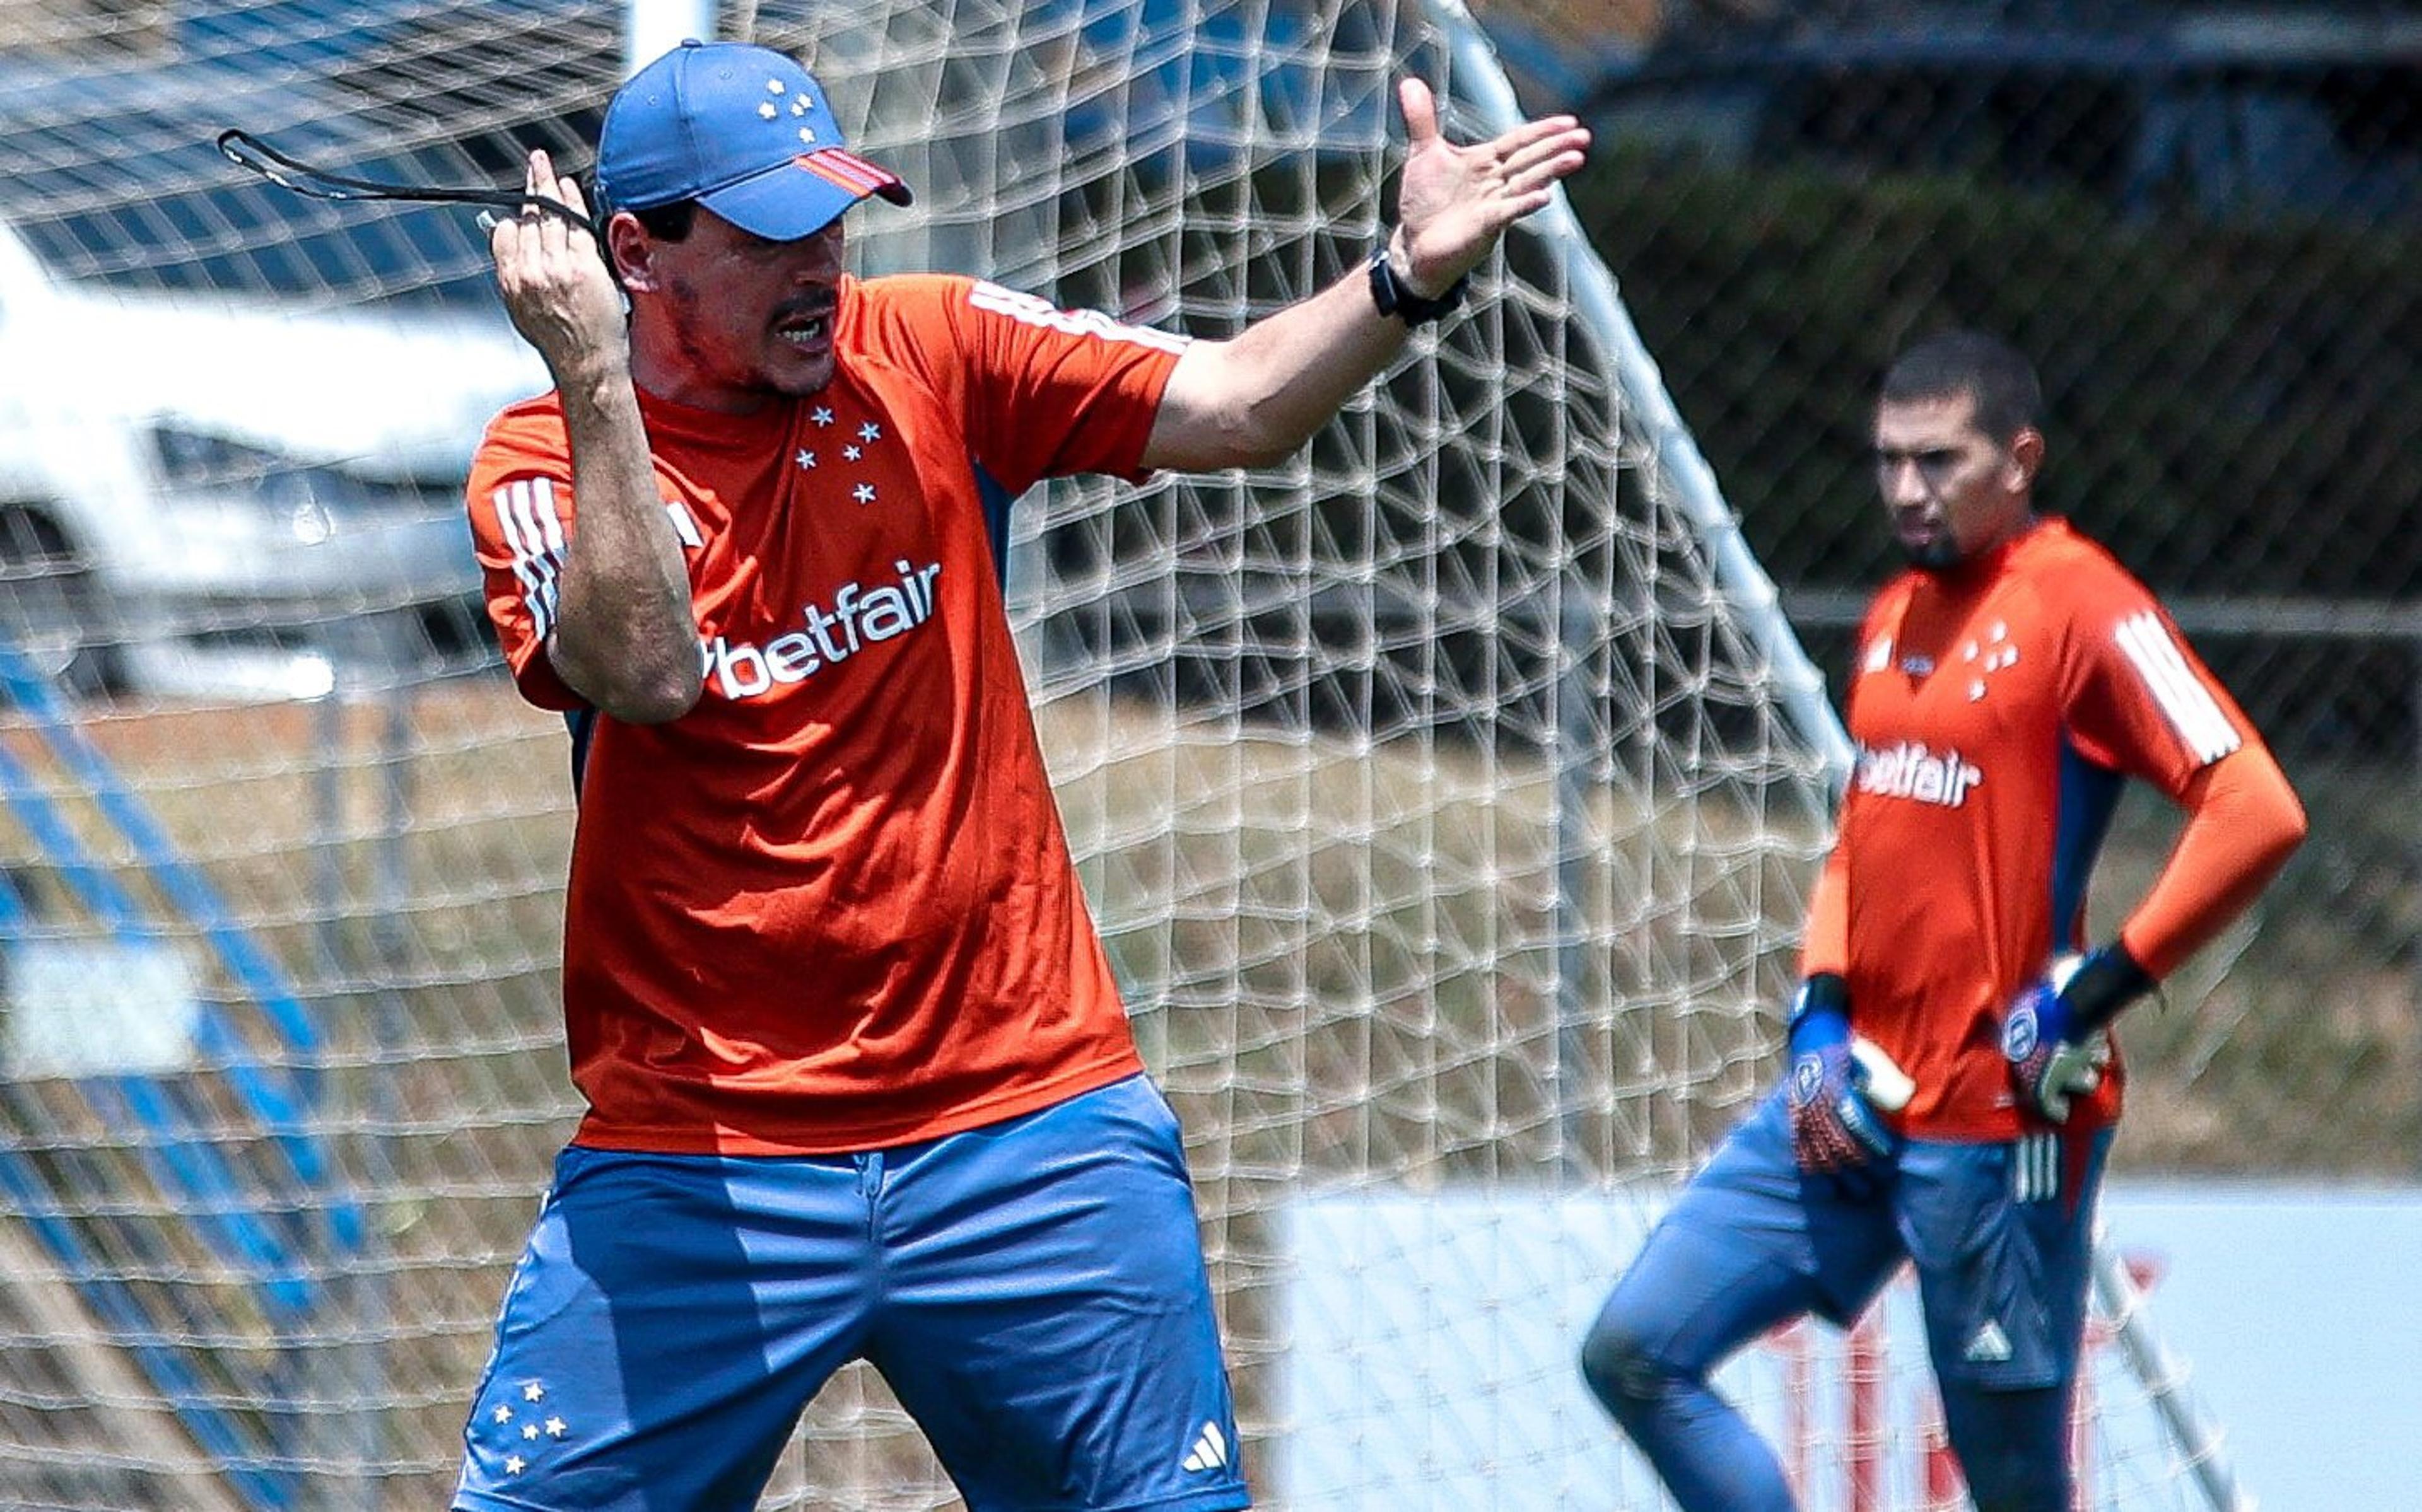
column 234, row 423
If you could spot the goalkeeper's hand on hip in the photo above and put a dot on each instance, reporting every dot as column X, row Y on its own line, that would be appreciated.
column 1836, row 1130
column 2056, row 1033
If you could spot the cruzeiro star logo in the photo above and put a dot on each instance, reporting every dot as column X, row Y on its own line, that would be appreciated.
column 867, row 436
column 529, row 1429
column 1987, row 655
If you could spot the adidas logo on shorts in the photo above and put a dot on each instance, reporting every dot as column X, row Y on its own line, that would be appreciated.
column 1210, row 1450
column 1991, row 1346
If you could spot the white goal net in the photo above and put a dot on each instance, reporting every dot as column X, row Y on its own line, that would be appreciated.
column 1435, row 792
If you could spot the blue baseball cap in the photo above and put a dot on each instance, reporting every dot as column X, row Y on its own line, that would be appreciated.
column 743, row 130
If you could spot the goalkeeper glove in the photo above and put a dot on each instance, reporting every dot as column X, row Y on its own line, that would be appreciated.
column 2056, row 1033
column 1834, row 1130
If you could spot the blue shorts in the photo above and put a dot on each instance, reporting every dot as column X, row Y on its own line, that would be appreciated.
column 1999, row 1234
column 1033, row 1291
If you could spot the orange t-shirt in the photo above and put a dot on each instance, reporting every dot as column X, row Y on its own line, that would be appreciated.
column 1997, row 713
column 832, row 907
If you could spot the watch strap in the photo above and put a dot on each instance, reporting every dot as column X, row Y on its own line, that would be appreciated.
column 1393, row 299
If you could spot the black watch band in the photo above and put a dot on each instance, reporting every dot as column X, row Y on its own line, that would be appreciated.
column 1395, row 298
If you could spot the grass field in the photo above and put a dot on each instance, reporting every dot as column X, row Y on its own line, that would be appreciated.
column 1343, row 957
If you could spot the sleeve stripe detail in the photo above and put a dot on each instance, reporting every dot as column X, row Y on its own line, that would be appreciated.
column 684, row 524
column 548, row 527
column 2190, row 706
column 1031, row 310
column 509, row 522
column 525, row 511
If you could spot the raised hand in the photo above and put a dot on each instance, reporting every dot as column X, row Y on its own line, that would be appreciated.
column 1454, row 202
column 553, row 280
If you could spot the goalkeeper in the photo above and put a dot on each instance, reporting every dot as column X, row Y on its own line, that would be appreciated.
column 860, row 1083
column 2006, row 687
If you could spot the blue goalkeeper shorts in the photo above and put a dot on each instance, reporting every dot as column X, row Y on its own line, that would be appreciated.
column 1033, row 1291
column 1999, row 1234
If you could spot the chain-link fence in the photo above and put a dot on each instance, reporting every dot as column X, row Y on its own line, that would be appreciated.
column 2203, row 226
column 1436, row 799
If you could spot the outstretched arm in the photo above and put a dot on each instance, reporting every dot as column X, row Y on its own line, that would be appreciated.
column 624, row 636
column 1253, row 399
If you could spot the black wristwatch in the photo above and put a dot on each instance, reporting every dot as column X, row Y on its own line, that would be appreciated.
column 1395, row 298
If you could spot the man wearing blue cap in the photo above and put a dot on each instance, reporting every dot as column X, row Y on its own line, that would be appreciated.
column 860, row 1083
